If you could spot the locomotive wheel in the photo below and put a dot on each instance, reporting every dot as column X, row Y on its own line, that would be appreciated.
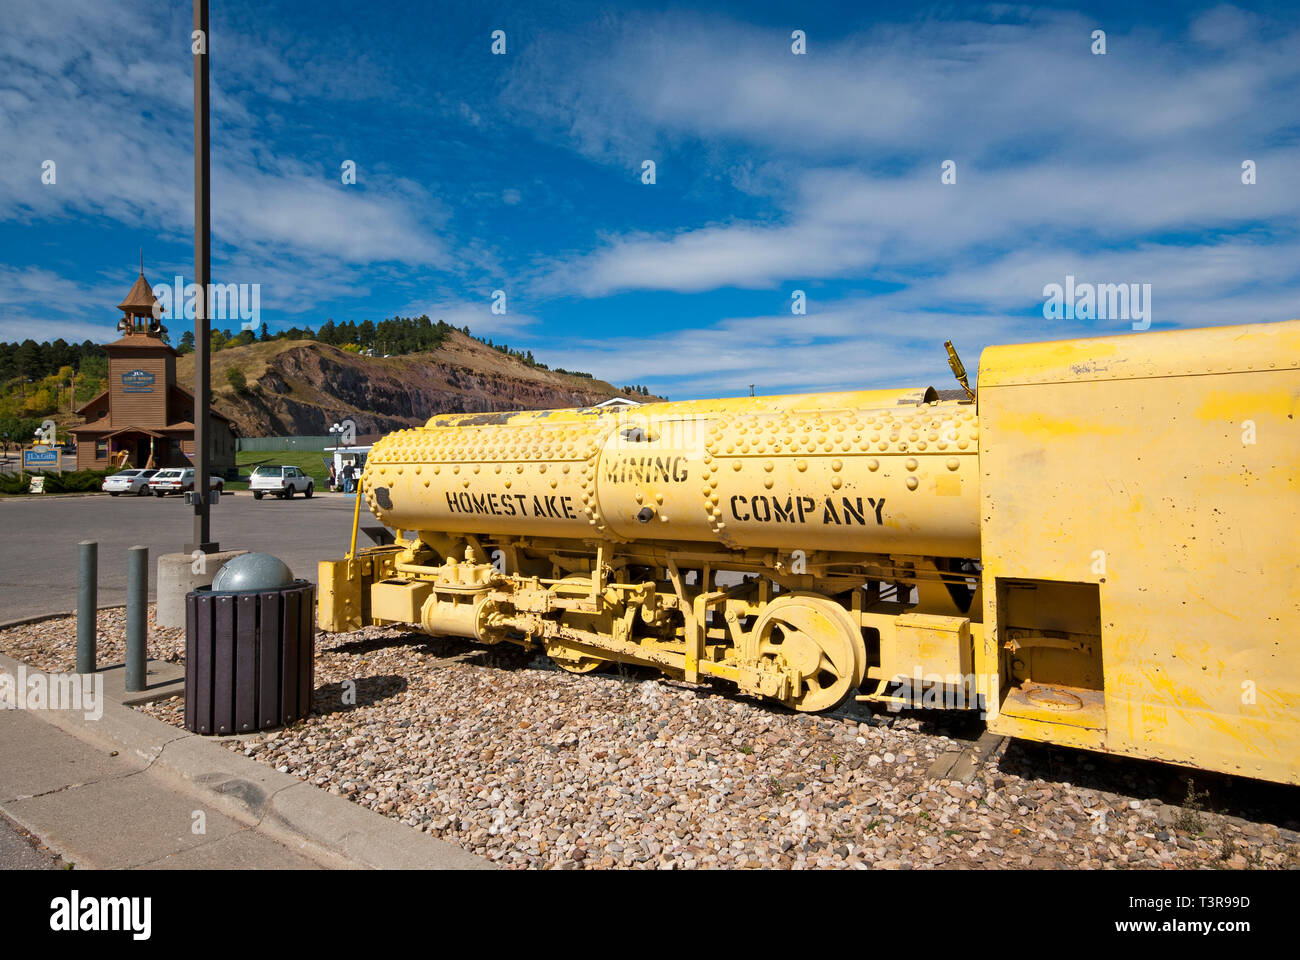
column 820, row 640
column 566, row 659
column 561, row 656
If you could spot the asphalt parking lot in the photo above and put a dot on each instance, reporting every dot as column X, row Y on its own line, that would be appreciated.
column 38, row 562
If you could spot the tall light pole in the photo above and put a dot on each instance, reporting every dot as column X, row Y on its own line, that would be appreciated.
column 201, row 47
column 340, row 444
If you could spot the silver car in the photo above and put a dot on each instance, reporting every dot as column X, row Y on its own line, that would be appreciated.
column 179, row 480
column 128, row 481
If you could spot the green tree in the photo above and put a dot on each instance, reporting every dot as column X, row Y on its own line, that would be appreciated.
column 235, row 377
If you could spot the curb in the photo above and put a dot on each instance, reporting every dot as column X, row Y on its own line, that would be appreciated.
column 42, row 617
column 328, row 829
column 50, row 496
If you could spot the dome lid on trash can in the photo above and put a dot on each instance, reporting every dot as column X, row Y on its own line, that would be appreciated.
column 252, row 571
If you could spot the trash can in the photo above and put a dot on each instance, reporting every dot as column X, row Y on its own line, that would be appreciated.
column 249, row 652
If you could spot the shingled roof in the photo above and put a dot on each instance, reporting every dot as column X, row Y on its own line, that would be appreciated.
column 140, row 301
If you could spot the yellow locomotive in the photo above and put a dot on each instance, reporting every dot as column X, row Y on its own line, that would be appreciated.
column 1099, row 551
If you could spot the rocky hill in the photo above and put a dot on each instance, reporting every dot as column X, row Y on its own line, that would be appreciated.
column 302, row 386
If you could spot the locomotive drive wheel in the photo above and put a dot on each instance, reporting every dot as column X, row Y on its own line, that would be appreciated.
column 820, row 640
column 572, row 662
column 560, row 655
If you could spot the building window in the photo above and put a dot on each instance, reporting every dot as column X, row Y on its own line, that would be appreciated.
column 101, row 449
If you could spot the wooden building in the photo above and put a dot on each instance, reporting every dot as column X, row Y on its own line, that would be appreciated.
column 144, row 419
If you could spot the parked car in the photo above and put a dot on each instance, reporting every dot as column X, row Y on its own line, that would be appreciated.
column 129, row 481
column 178, row 480
column 283, row 481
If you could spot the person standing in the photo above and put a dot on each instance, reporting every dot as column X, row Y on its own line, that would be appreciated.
column 348, row 477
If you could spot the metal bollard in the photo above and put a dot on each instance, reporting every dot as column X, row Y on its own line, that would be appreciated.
column 87, row 603
column 137, row 594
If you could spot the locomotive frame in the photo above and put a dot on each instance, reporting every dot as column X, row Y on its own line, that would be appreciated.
column 1097, row 550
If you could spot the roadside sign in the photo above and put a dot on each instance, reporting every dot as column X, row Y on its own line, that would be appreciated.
column 40, row 457
column 37, row 485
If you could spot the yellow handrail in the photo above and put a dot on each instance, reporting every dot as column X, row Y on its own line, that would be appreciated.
column 356, row 519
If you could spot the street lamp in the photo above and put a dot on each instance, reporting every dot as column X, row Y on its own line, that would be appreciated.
column 202, row 536
column 339, row 445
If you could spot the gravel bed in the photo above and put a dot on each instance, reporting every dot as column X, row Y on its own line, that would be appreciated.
column 52, row 644
column 496, row 750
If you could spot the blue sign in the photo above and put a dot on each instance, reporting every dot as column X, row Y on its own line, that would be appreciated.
column 40, row 457
column 137, row 381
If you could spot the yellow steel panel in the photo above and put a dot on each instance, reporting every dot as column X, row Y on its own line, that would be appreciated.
column 926, row 644
column 338, row 605
column 344, row 588
column 1179, row 496
column 1172, row 353
column 399, row 601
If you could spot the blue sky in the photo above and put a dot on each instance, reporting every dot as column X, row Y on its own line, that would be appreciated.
column 774, row 172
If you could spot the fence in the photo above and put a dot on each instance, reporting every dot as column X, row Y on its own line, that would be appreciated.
column 268, row 444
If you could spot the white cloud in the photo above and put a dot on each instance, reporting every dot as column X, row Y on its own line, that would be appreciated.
column 1066, row 164
column 896, row 89
column 39, row 304
column 896, row 339
column 116, row 119
column 1053, row 146
column 1224, row 26
column 1123, row 168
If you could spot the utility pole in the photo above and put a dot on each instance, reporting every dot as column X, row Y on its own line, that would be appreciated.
column 200, row 43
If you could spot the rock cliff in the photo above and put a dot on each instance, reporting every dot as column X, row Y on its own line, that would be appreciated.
column 302, row 387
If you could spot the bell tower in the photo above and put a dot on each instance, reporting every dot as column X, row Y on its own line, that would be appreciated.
column 141, row 310
column 144, row 418
column 141, row 365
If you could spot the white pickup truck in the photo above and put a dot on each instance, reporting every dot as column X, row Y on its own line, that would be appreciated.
column 283, row 481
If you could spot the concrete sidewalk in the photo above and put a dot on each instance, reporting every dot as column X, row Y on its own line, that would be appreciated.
column 99, row 810
column 129, row 791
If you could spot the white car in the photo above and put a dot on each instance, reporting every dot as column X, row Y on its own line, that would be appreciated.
column 283, row 481
column 128, row 481
column 178, row 480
